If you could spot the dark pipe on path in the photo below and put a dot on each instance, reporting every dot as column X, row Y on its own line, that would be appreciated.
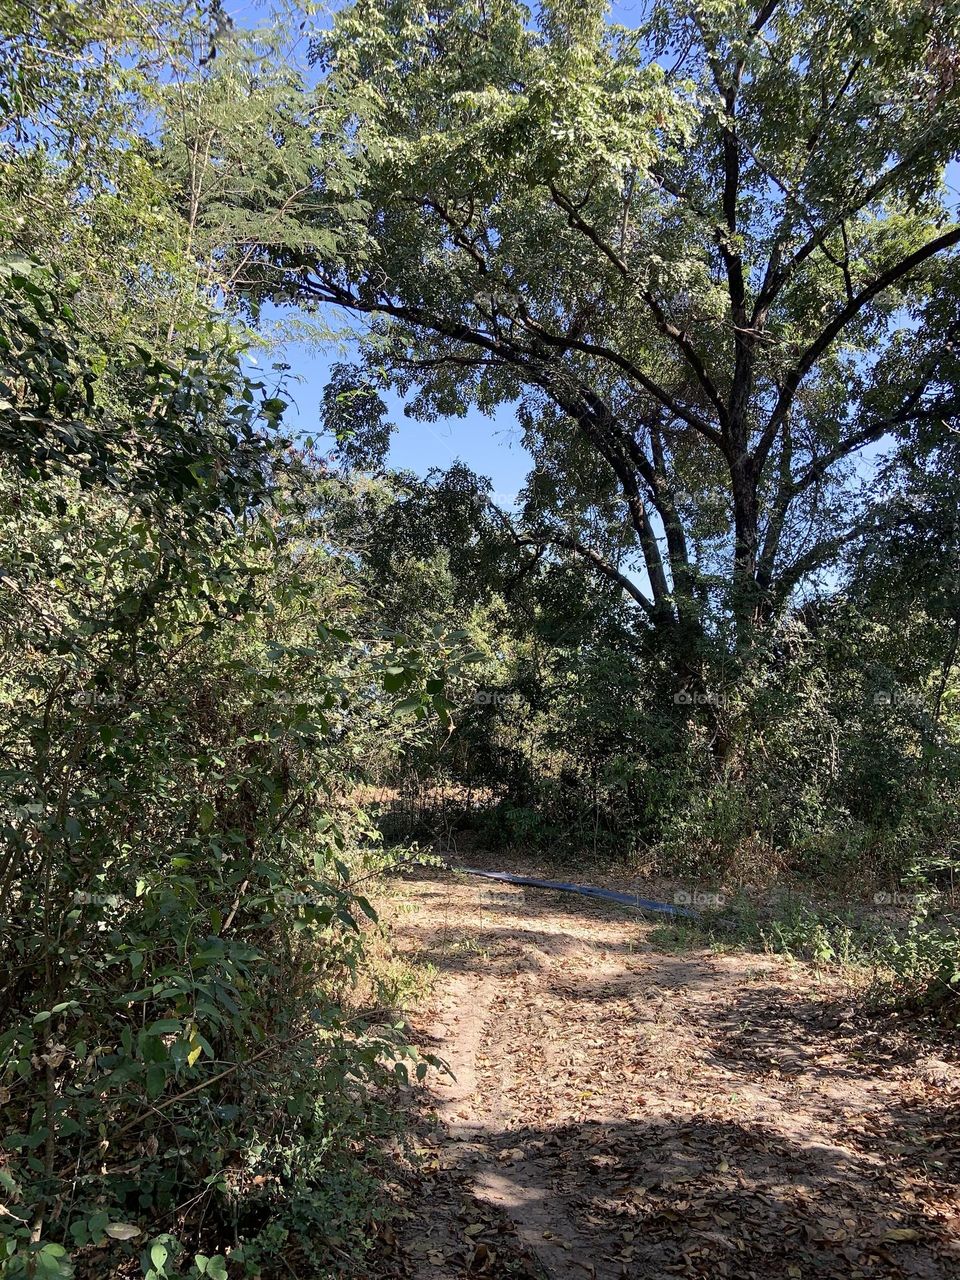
column 587, row 890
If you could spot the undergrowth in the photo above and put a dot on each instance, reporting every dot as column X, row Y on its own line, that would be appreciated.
column 914, row 963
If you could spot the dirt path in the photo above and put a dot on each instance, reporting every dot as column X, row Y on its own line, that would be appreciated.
column 617, row 1111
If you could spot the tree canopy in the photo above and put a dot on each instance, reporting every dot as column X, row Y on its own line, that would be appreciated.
column 710, row 258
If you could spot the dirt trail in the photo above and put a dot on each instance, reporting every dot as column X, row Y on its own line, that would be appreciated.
column 618, row 1111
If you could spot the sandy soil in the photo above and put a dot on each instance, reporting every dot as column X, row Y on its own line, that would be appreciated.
column 620, row 1111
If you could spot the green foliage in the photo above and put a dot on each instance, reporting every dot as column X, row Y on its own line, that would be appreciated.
column 709, row 261
column 706, row 281
column 176, row 725
column 908, row 953
column 183, row 710
column 663, row 246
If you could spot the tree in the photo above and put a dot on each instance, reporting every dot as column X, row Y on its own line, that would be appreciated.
column 709, row 258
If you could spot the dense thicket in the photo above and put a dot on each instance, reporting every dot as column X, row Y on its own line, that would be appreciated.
column 840, row 750
column 185, row 705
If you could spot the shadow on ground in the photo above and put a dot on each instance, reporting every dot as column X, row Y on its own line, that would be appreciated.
column 622, row 1112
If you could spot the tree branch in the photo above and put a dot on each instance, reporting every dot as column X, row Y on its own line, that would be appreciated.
column 777, row 275
column 836, row 326
column 637, row 375
column 598, row 562
column 670, row 330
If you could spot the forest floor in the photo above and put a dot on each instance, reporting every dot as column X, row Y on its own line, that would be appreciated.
column 619, row 1109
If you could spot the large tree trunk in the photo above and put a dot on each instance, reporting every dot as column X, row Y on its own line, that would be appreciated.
column 746, row 516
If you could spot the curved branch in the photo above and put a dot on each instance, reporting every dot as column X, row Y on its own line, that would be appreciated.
column 836, row 326
column 587, row 553
column 660, row 394
column 666, row 326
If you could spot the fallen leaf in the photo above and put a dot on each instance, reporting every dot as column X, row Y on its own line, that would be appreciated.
column 483, row 1258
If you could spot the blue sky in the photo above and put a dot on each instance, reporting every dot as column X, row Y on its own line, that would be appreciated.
column 490, row 446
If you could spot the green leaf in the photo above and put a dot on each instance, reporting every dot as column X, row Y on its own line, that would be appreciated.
column 396, row 678
column 414, row 703
column 366, row 907
column 156, row 1081
column 165, row 1026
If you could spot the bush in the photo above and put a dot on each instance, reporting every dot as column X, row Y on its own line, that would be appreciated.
column 181, row 709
